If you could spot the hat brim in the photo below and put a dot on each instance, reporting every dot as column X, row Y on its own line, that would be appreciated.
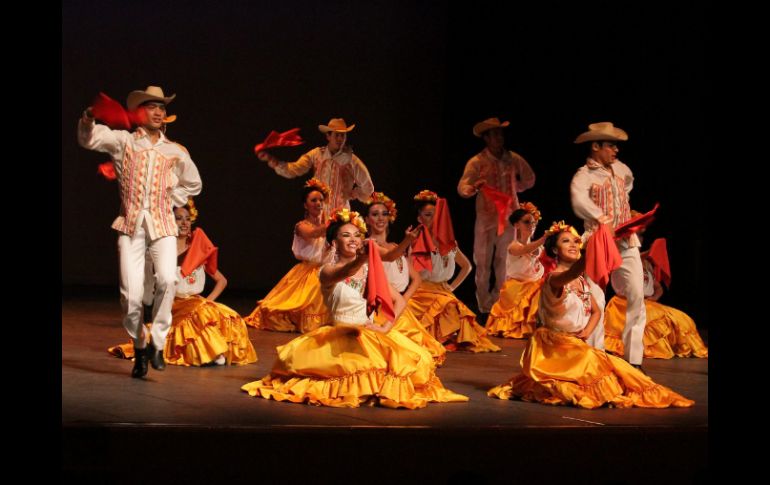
column 327, row 129
column 480, row 128
column 136, row 98
column 618, row 135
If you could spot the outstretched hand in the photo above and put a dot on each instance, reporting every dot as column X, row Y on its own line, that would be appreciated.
column 413, row 233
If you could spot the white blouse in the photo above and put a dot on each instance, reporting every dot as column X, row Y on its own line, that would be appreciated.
column 443, row 267
column 526, row 267
column 398, row 273
column 346, row 302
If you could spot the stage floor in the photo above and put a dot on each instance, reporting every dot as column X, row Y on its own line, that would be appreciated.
column 99, row 394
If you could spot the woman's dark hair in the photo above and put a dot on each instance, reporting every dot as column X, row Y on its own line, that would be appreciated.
column 333, row 229
column 517, row 215
column 307, row 190
column 550, row 244
column 419, row 204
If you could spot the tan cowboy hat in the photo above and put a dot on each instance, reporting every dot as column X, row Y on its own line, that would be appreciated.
column 603, row 131
column 488, row 124
column 152, row 93
column 336, row 125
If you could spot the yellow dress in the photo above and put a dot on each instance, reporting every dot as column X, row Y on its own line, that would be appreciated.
column 201, row 329
column 295, row 304
column 514, row 314
column 442, row 314
column 668, row 331
column 398, row 276
column 558, row 368
column 346, row 365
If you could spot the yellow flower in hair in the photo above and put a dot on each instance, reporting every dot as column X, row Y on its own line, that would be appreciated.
column 380, row 198
column 190, row 205
column 532, row 209
column 559, row 227
column 349, row 216
column 319, row 186
column 426, row 195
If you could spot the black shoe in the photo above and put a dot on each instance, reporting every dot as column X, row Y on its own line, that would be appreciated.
column 639, row 366
column 140, row 363
column 482, row 318
column 156, row 357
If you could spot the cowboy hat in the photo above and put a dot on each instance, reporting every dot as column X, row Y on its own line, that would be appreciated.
column 336, row 125
column 152, row 93
column 603, row 131
column 482, row 126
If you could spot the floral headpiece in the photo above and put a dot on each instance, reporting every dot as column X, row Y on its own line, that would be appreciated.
column 559, row 227
column 348, row 216
column 380, row 198
column 427, row 196
column 190, row 205
column 319, row 186
column 532, row 209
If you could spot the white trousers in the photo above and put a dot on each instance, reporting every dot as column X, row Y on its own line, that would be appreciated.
column 162, row 251
column 485, row 242
column 628, row 281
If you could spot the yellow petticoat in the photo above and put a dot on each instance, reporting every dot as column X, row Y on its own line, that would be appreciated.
column 448, row 319
column 514, row 314
column 346, row 367
column 294, row 305
column 200, row 331
column 668, row 331
column 558, row 368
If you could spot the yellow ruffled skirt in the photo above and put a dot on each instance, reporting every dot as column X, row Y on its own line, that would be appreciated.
column 668, row 331
column 346, row 367
column 200, row 331
column 294, row 305
column 514, row 314
column 408, row 325
column 448, row 319
column 558, row 368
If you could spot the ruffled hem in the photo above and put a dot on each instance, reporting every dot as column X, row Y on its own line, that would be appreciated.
column 450, row 321
column 615, row 383
column 514, row 314
column 295, row 304
column 374, row 386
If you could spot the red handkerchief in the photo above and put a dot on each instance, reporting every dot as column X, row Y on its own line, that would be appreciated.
column 202, row 250
column 377, row 287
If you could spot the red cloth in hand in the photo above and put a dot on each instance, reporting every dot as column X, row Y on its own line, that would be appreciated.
column 602, row 256
column 107, row 169
column 635, row 223
column 502, row 202
column 377, row 292
column 288, row 138
column 442, row 227
column 112, row 113
column 422, row 247
column 658, row 255
column 201, row 250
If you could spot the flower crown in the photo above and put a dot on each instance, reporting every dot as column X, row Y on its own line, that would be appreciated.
column 427, row 196
column 559, row 227
column 320, row 186
column 532, row 209
column 190, row 205
column 380, row 198
column 349, row 217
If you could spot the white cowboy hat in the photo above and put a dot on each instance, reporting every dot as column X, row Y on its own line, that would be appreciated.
column 336, row 125
column 152, row 93
column 482, row 126
column 603, row 131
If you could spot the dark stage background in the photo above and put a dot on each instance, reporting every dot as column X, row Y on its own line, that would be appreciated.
column 414, row 77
